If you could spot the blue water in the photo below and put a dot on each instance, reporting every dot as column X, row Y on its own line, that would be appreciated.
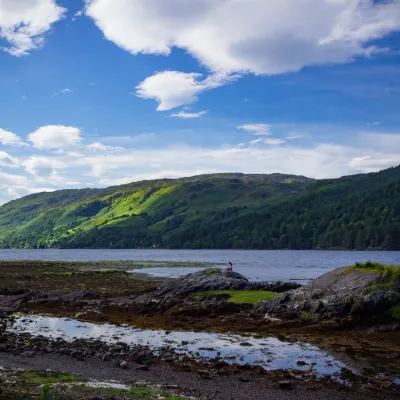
column 255, row 264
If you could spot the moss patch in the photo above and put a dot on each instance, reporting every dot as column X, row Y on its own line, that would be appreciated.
column 243, row 296
column 212, row 271
column 33, row 378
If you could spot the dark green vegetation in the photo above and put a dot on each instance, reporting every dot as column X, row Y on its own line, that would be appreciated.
column 140, row 214
column 214, row 211
column 353, row 212
column 243, row 296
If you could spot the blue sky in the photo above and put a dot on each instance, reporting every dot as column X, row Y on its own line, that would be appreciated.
column 107, row 92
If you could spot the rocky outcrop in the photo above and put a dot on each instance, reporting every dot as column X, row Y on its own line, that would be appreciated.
column 175, row 291
column 344, row 294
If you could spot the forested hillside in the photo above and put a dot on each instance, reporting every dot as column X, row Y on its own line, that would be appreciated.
column 140, row 214
column 354, row 212
column 214, row 211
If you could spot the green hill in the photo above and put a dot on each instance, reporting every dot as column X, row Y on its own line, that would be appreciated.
column 353, row 212
column 214, row 211
column 140, row 214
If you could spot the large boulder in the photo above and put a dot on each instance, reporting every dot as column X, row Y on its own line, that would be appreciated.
column 174, row 291
column 365, row 291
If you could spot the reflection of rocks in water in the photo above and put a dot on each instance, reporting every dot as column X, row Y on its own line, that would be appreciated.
column 266, row 352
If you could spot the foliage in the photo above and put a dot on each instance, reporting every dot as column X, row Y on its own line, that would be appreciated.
column 243, row 296
column 142, row 214
column 214, row 211
column 355, row 212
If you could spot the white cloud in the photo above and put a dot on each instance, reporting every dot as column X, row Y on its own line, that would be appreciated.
column 186, row 115
column 55, row 137
column 256, row 129
column 295, row 136
column 318, row 160
column 256, row 36
column 66, row 90
column 43, row 167
column 23, row 23
column 10, row 139
column 7, row 160
column 11, row 180
column 273, row 141
column 102, row 147
column 173, row 89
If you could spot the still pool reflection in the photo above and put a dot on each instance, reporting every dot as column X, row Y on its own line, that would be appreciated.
column 269, row 352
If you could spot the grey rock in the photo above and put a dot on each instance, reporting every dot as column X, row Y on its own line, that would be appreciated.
column 28, row 354
column 336, row 296
column 123, row 365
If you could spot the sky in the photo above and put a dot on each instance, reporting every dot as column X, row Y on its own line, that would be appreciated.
column 98, row 93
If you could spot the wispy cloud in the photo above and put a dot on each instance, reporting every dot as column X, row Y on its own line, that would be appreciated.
column 256, row 129
column 188, row 115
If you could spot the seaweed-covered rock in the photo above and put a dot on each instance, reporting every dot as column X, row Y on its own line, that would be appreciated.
column 362, row 292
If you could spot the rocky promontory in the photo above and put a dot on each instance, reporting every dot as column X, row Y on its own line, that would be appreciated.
column 363, row 292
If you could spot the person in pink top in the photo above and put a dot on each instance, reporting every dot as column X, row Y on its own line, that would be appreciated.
column 229, row 267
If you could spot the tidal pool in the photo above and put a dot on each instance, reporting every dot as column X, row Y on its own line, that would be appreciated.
column 269, row 352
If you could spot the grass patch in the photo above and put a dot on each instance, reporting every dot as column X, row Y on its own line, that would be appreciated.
column 243, row 296
column 212, row 271
column 33, row 378
column 389, row 273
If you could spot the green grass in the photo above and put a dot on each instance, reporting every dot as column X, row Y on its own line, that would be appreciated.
column 243, row 296
column 33, row 378
column 212, row 271
column 389, row 273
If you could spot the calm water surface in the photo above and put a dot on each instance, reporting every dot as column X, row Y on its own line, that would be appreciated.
column 269, row 352
column 257, row 265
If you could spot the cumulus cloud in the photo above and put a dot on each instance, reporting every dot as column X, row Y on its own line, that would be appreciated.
column 256, row 129
column 10, row 139
column 256, row 36
column 188, row 115
column 55, row 137
column 8, row 161
column 43, row 167
column 23, row 23
column 173, row 89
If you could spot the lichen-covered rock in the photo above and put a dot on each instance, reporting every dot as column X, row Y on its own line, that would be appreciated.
column 357, row 293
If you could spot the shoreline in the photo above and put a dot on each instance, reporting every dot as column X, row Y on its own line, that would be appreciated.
column 65, row 290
